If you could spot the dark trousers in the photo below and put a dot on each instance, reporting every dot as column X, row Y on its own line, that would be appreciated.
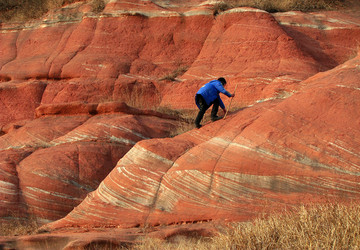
column 203, row 107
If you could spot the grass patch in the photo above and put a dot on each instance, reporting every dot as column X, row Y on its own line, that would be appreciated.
column 280, row 5
column 11, row 10
column 97, row 6
column 330, row 226
column 186, row 118
column 175, row 73
column 18, row 226
column 25, row 10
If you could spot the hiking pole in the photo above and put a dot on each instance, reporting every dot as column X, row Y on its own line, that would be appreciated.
column 230, row 102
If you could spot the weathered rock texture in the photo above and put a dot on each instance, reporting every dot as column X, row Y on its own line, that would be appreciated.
column 51, row 163
column 71, row 142
column 299, row 150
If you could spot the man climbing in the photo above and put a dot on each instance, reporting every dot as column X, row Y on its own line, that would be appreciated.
column 209, row 95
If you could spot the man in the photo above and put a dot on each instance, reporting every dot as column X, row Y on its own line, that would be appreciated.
column 209, row 95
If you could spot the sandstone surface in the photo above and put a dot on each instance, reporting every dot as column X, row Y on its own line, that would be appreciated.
column 81, row 145
column 275, row 154
column 51, row 163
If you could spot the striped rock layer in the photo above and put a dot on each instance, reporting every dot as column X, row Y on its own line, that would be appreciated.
column 49, row 165
column 300, row 150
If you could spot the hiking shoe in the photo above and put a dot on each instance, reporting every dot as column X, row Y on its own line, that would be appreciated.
column 215, row 118
column 198, row 125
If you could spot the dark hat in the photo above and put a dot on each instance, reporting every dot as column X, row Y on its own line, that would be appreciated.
column 222, row 80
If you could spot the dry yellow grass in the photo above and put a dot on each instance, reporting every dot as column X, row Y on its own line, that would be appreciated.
column 177, row 72
column 186, row 118
column 330, row 226
column 24, row 10
column 11, row 10
column 282, row 5
column 20, row 226
column 321, row 227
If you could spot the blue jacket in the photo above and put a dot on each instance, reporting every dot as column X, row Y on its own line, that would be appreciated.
column 210, row 91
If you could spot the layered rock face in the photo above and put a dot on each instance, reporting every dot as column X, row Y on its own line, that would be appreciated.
column 71, row 140
column 274, row 154
column 52, row 162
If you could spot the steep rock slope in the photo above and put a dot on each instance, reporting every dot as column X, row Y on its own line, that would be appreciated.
column 300, row 150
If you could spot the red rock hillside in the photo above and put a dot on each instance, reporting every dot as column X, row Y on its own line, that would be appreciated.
column 82, row 144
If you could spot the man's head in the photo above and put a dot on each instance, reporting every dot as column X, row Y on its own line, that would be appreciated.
column 222, row 80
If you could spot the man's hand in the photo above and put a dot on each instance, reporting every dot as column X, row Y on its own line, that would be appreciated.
column 233, row 95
